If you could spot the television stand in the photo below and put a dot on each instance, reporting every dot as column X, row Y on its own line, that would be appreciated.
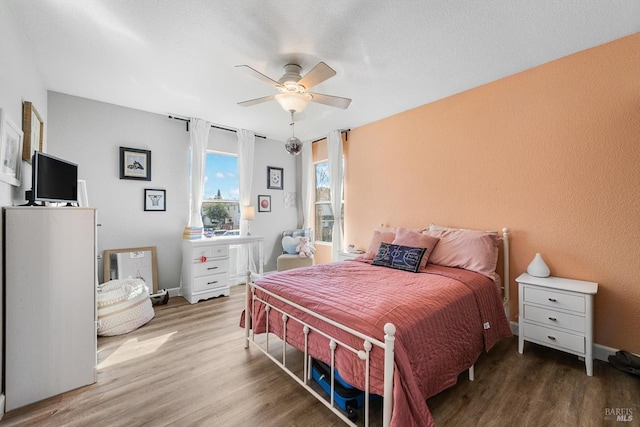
column 28, row 195
column 33, row 203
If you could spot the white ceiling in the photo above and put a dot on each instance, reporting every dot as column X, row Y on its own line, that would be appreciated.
column 178, row 56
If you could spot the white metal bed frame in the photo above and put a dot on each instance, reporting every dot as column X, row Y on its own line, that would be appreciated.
column 364, row 353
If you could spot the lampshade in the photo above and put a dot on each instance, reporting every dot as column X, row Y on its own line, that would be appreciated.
column 293, row 101
column 248, row 212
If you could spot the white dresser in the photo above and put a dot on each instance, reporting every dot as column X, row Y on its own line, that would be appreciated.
column 557, row 313
column 205, row 265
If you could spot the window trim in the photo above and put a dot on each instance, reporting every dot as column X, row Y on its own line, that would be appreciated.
column 324, row 202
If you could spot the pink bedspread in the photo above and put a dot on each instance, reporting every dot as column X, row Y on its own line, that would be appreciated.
column 445, row 317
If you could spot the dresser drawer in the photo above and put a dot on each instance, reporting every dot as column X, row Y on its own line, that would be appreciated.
column 548, row 336
column 210, row 267
column 216, row 251
column 554, row 299
column 555, row 318
column 214, row 281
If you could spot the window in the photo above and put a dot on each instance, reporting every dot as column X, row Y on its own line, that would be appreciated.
column 221, row 198
column 323, row 216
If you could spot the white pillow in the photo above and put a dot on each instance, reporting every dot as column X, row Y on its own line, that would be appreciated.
column 289, row 244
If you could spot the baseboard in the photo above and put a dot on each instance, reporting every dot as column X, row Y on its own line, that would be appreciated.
column 514, row 328
column 174, row 292
column 600, row 352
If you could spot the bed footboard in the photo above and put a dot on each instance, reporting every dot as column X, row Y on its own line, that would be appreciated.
column 363, row 353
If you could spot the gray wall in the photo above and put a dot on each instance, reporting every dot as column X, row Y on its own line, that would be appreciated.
column 90, row 133
column 19, row 81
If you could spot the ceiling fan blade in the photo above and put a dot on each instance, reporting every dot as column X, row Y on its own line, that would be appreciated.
column 256, row 101
column 258, row 75
column 317, row 75
column 334, row 101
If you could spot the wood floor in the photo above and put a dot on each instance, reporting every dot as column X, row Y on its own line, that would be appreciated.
column 188, row 367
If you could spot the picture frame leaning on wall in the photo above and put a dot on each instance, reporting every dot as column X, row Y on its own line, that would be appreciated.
column 11, row 140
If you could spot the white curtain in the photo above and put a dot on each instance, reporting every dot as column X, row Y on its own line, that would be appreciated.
column 246, row 147
column 198, row 139
column 334, row 150
column 306, row 186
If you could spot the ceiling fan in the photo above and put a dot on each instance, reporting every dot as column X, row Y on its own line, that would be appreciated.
column 293, row 87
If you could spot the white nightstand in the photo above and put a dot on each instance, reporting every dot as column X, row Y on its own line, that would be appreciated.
column 557, row 313
column 344, row 256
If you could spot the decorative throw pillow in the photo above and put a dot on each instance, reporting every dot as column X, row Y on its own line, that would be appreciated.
column 379, row 236
column 469, row 249
column 399, row 257
column 289, row 244
column 413, row 238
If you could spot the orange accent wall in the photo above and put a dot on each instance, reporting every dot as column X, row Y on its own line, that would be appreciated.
column 552, row 153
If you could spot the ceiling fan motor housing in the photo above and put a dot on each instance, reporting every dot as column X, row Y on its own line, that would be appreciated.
column 291, row 78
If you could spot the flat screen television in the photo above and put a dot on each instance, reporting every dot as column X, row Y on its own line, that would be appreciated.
column 53, row 179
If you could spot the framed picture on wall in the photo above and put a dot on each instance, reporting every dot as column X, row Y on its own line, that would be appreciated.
column 11, row 138
column 33, row 128
column 135, row 164
column 275, row 178
column 155, row 200
column 264, row 203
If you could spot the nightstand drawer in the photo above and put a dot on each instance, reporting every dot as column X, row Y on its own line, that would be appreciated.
column 210, row 267
column 554, row 299
column 210, row 282
column 548, row 336
column 217, row 251
column 555, row 318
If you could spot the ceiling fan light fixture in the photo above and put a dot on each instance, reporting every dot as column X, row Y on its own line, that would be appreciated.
column 292, row 101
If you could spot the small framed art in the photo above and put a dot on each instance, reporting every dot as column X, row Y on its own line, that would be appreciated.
column 135, row 164
column 11, row 138
column 155, row 200
column 264, row 203
column 275, row 178
column 33, row 128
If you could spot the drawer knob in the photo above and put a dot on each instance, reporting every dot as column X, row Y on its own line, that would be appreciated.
column 203, row 258
column 212, row 268
column 551, row 337
column 552, row 319
column 211, row 283
column 553, row 300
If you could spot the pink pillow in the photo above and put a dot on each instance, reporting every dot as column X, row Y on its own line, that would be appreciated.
column 379, row 236
column 469, row 249
column 415, row 239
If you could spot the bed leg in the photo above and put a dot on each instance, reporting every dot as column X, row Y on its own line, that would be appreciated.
column 247, row 312
column 471, row 372
column 389, row 349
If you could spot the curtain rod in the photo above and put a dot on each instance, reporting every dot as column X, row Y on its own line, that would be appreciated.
column 345, row 131
column 184, row 119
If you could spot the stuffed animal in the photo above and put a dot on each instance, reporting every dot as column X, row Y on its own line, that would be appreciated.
column 304, row 248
